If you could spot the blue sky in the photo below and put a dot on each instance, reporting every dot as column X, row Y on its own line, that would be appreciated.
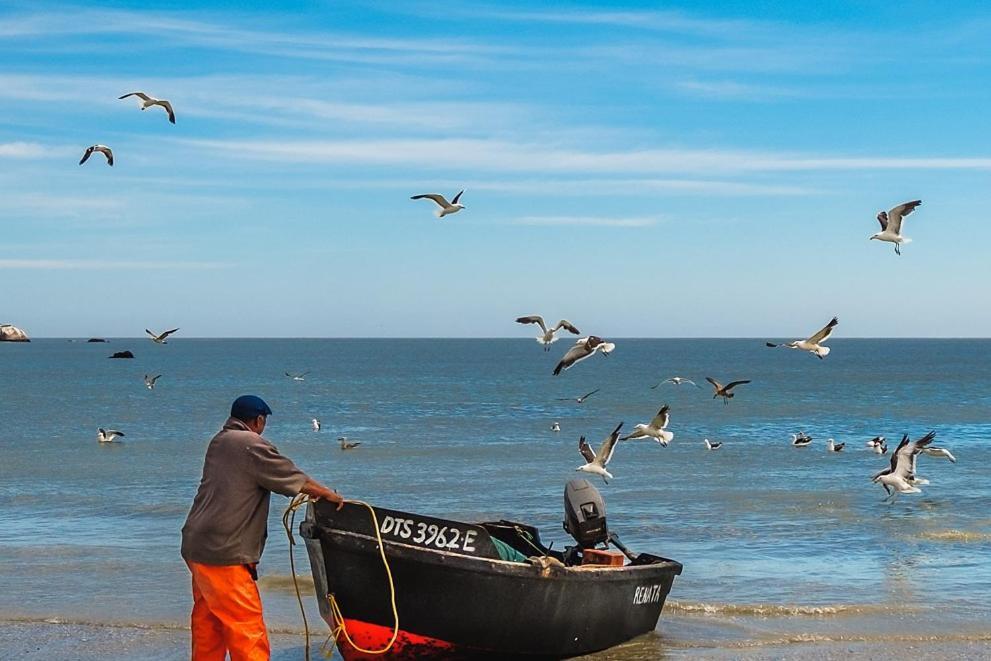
column 706, row 169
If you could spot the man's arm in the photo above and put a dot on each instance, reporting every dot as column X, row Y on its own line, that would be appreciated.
column 314, row 489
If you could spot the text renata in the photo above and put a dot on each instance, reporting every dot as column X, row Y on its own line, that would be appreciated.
column 424, row 534
column 646, row 594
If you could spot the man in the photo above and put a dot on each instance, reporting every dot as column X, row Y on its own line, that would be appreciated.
column 224, row 534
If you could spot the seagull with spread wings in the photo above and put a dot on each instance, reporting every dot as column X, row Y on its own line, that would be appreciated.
column 581, row 399
column 146, row 102
column 103, row 149
column 582, row 349
column 900, row 476
column 813, row 344
column 726, row 392
column 108, row 435
column 596, row 462
column 445, row 208
column 675, row 380
column 547, row 336
column 891, row 224
column 151, row 380
column 297, row 377
column 654, row 429
column 160, row 338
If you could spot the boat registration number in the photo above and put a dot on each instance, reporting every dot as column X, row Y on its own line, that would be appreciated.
column 646, row 594
column 432, row 535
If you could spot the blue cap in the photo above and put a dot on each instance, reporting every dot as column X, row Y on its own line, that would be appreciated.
column 249, row 407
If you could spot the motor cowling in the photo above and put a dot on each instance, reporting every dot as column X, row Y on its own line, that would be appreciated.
column 585, row 514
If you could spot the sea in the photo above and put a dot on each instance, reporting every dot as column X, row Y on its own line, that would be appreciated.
column 781, row 546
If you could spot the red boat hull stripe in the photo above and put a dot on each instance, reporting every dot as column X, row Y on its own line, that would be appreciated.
column 374, row 637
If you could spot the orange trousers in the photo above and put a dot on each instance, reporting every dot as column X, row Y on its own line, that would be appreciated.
column 227, row 615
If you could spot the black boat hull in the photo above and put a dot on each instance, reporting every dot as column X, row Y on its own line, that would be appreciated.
column 454, row 605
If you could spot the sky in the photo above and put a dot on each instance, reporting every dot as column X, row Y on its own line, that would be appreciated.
column 707, row 169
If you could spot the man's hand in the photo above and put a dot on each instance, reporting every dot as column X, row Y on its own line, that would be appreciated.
column 315, row 490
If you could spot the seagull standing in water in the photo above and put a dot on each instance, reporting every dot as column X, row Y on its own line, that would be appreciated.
column 814, row 343
column 891, row 224
column 900, row 476
column 346, row 444
column 801, row 439
column 583, row 348
column 597, row 461
column 150, row 381
column 297, row 377
column 161, row 337
column 654, row 429
column 446, row 208
column 724, row 391
column 150, row 101
column 107, row 435
column 676, row 380
column 315, row 423
column 103, row 149
column 709, row 445
column 833, row 446
column 547, row 336
column 580, row 400
column 556, row 426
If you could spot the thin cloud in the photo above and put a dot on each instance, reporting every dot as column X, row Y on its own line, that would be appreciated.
column 23, row 150
column 584, row 221
column 105, row 265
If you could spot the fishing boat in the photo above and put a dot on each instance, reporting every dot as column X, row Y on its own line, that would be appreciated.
column 479, row 590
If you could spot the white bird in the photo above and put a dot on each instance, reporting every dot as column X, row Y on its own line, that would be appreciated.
column 446, row 208
column 597, row 461
column 346, row 444
column 548, row 337
column 833, row 446
column 876, row 441
column 103, row 149
column 556, row 426
column 881, row 448
column 900, row 476
column 891, row 224
column 801, row 439
column 654, row 429
column 316, row 424
column 582, row 349
column 814, row 343
column 709, row 445
column 676, row 380
column 150, row 381
column 581, row 399
column 107, row 435
column 940, row 452
column 297, row 377
column 161, row 337
column 149, row 101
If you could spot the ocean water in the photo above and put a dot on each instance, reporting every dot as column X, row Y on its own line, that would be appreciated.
column 780, row 545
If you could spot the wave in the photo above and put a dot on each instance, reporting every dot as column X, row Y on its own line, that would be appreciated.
column 144, row 626
column 781, row 610
column 814, row 638
column 955, row 536
column 284, row 583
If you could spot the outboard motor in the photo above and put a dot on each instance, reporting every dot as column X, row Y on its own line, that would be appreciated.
column 585, row 514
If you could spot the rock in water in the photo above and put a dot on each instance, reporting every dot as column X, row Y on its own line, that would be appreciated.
column 123, row 354
column 10, row 333
column 96, row 339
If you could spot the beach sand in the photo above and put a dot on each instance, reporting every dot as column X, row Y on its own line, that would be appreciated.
column 34, row 640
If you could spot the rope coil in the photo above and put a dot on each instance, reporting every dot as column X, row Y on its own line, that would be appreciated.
column 288, row 520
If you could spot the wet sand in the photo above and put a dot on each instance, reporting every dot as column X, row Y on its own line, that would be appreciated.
column 34, row 640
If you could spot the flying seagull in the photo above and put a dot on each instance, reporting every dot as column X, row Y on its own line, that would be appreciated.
column 900, row 476
column 801, row 439
column 346, row 444
column 446, row 208
column 583, row 348
column 654, row 429
column 315, row 422
column 814, row 343
column 160, row 339
column 724, row 391
column 891, row 224
column 676, row 380
column 297, row 377
column 150, row 381
column 709, row 445
column 940, row 452
column 580, row 400
column 107, row 435
column 597, row 461
column 103, row 149
column 548, row 337
column 149, row 101
column 556, row 426
column 833, row 446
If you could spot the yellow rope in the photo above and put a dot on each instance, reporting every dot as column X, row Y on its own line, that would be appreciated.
column 288, row 518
